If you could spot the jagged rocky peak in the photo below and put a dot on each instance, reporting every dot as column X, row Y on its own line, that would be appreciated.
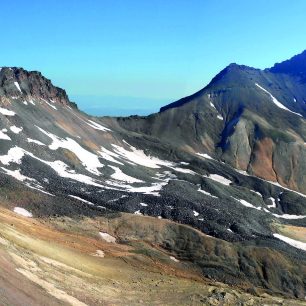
column 18, row 83
column 295, row 66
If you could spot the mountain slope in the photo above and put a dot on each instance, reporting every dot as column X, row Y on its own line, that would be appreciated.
column 205, row 162
column 253, row 120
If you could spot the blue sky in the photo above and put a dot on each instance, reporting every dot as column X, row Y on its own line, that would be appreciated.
column 127, row 56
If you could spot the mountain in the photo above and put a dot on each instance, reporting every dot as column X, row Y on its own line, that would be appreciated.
column 251, row 119
column 211, row 190
column 296, row 66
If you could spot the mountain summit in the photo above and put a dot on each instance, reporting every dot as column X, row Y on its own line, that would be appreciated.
column 211, row 187
column 17, row 83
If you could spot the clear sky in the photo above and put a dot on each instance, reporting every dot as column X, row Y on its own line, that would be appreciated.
column 125, row 56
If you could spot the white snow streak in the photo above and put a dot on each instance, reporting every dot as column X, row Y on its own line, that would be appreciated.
column 35, row 141
column 97, row 126
column 207, row 193
column 205, row 155
column 80, row 199
column 295, row 243
column 218, row 178
column 276, row 102
column 17, row 86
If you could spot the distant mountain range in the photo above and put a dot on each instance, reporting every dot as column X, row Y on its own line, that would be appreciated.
column 228, row 161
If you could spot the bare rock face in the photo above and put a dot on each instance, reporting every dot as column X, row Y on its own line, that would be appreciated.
column 18, row 83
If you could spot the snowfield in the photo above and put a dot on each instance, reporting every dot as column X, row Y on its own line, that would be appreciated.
column 89, row 160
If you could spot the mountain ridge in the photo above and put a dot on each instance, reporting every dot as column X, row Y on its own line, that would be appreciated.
column 30, row 84
column 223, row 173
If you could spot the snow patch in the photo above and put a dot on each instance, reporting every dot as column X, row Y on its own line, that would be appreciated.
column 16, row 129
column 295, row 243
column 120, row 176
column 195, row 213
column 82, row 200
column 3, row 135
column 110, row 156
column 49, row 104
column 14, row 155
column 107, row 237
column 23, row 212
column 6, row 112
column 220, row 117
column 273, row 205
column 99, row 253
column 183, row 170
column 205, row 155
column 139, row 157
column 97, row 126
column 17, row 86
column 212, row 105
column 258, row 193
column 289, row 217
column 207, row 193
column 174, row 259
column 35, row 141
column 17, row 175
column 247, row 204
column 219, row 178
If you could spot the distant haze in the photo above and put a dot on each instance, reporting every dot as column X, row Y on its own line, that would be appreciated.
column 117, row 106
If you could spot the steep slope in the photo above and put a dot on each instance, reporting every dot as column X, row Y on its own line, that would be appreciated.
column 57, row 162
column 253, row 120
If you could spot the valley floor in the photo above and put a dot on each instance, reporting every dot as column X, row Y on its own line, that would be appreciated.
column 60, row 261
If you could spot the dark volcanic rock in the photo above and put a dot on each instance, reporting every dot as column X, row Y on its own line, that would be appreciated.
column 17, row 82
